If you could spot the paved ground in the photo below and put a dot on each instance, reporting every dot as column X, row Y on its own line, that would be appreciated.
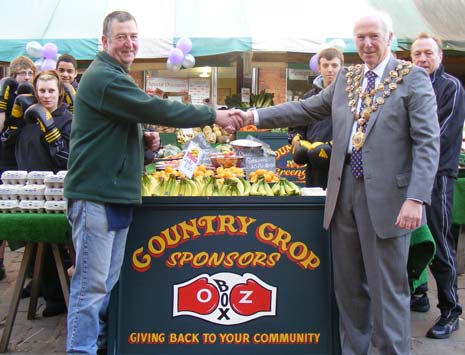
column 47, row 335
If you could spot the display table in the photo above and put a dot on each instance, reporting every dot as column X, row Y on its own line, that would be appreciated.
column 458, row 218
column 33, row 229
column 226, row 275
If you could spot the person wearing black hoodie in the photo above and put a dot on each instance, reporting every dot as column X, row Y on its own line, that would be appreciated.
column 426, row 52
column 310, row 144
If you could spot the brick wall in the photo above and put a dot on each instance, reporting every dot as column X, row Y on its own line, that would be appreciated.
column 273, row 80
column 138, row 76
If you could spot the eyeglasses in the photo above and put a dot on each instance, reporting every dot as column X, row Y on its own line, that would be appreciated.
column 25, row 73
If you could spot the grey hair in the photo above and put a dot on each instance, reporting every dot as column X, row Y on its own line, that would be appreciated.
column 120, row 16
column 382, row 16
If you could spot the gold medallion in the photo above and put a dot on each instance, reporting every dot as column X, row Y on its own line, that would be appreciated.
column 358, row 139
column 367, row 101
column 380, row 100
column 361, row 121
column 366, row 112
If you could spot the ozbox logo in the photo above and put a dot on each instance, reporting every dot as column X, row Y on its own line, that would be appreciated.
column 224, row 298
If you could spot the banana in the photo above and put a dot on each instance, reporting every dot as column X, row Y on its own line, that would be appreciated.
column 291, row 188
column 276, row 188
column 254, row 188
column 267, row 189
column 193, row 187
column 215, row 190
column 238, row 186
column 246, row 185
column 282, row 189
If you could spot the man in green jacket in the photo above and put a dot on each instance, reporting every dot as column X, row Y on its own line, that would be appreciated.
column 104, row 173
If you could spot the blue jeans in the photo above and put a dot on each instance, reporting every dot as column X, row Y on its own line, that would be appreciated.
column 99, row 256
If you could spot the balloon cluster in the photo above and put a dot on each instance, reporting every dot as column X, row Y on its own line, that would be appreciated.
column 46, row 55
column 180, row 57
column 335, row 43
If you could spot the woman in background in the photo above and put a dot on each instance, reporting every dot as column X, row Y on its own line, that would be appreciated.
column 43, row 144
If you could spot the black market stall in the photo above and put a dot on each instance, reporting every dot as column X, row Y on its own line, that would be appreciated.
column 234, row 275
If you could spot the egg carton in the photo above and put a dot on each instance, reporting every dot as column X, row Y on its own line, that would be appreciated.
column 55, row 206
column 31, row 206
column 9, row 206
column 54, row 194
column 9, row 192
column 54, row 181
column 14, row 177
column 32, row 192
column 62, row 173
column 37, row 177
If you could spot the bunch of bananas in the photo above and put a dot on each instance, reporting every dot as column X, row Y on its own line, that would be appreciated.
column 166, row 186
column 148, row 184
column 221, row 182
column 210, row 186
column 235, row 186
column 260, row 187
column 285, row 187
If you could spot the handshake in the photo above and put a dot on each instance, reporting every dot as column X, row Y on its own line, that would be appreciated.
column 233, row 119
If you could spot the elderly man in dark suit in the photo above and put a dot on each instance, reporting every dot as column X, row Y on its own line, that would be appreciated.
column 383, row 163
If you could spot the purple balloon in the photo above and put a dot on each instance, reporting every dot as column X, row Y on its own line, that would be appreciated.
column 48, row 64
column 184, row 44
column 313, row 63
column 176, row 56
column 49, row 50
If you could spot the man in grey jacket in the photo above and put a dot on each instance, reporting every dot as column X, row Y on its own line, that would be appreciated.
column 384, row 158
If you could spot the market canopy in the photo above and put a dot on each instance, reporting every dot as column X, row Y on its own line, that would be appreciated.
column 220, row 26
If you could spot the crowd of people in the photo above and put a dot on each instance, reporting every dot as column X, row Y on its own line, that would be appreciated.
column 387, row 134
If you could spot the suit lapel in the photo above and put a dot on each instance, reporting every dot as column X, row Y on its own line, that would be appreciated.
column 374, row 116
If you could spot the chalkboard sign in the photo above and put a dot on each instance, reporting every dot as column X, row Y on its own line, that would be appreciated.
column 253, row 163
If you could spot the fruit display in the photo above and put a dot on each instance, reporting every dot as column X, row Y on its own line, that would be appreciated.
column 226, row 160
column 221, row 181
column 213, row 134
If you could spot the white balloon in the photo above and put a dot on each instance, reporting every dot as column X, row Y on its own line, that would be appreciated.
column 338, row 43
column 38, row 63
column 173, row 67
column 188, row 61
column 34, row 49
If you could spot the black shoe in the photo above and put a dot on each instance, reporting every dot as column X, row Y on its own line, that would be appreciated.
column 419, row 303
column 444, row 327
column 53, row 309
column 2, row 272
column 26, row 291
column 102, row 351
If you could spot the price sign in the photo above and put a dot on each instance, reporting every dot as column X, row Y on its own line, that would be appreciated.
column 191, row 160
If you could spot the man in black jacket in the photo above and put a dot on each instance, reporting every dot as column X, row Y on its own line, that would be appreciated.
column 304, row 139
column 426, row 52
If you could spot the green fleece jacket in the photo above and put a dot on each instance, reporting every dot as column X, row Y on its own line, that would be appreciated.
column 106, row 148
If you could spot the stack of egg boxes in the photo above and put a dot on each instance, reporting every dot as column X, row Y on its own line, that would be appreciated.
column 32, row 192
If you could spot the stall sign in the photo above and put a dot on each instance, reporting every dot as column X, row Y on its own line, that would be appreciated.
column 167, row 84
column 208, row 278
